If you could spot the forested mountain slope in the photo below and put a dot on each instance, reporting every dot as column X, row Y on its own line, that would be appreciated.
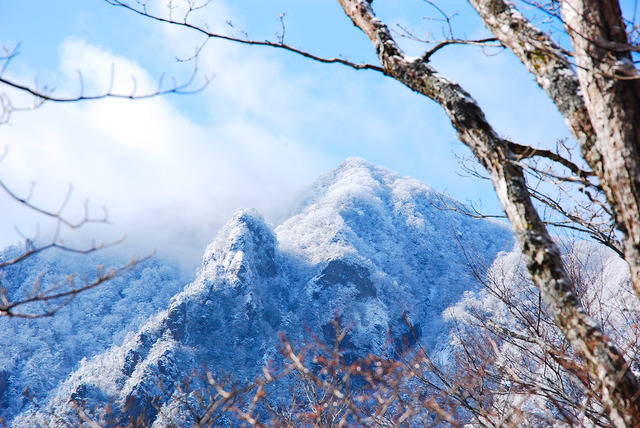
column 365, row 243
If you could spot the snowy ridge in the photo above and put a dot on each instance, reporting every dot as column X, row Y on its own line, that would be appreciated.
column 368, row 219
column 244, row 249
column 366, row 243
column 42, row 352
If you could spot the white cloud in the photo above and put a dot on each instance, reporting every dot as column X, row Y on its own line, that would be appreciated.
column 168, row 183
column 172, row 169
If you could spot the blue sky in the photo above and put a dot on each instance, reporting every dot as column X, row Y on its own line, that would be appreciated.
column 172, row 170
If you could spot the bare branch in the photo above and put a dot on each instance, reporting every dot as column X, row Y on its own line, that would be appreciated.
column 480, row 42
column 523, row 151
column 619, row 388
column 57, row 296
column 445, row 18
column 246, row 40
column 280, row 36
column 42, row 94
column 9, row 54
column 57, row 215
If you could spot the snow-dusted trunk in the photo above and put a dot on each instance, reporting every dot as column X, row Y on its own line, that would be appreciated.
column 611, row 90
column 549, row 65
column 616, row 383
column 601, row 104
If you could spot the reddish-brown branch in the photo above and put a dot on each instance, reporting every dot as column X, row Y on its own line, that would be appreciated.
column 619, row 388
column 54, row 299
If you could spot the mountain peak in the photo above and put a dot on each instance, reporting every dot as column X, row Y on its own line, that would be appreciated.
column 352, row 171
column 245, row 247
column 367, row 244
column 355, row 163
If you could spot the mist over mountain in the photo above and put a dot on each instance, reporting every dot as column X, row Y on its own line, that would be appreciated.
column 365, row 243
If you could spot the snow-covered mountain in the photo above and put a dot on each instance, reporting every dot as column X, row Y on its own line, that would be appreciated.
column 366, row 243
column 40, row 353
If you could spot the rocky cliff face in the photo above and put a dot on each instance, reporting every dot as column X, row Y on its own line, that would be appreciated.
column 366, row 243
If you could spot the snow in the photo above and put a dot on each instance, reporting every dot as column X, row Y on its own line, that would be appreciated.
column 50, row 348
column 602, row 283
column 365, row 243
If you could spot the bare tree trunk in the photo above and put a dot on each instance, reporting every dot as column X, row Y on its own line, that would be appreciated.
column 601, row 104
column 611, row 88
column 548, row 63
column 617, row 385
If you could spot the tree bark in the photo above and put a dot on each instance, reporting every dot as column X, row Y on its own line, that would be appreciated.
column 611, row 88
column 549, row 65
column 617, row 385
column 601, row 104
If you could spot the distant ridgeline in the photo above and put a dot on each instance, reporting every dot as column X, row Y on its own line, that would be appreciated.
column 366, row 244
